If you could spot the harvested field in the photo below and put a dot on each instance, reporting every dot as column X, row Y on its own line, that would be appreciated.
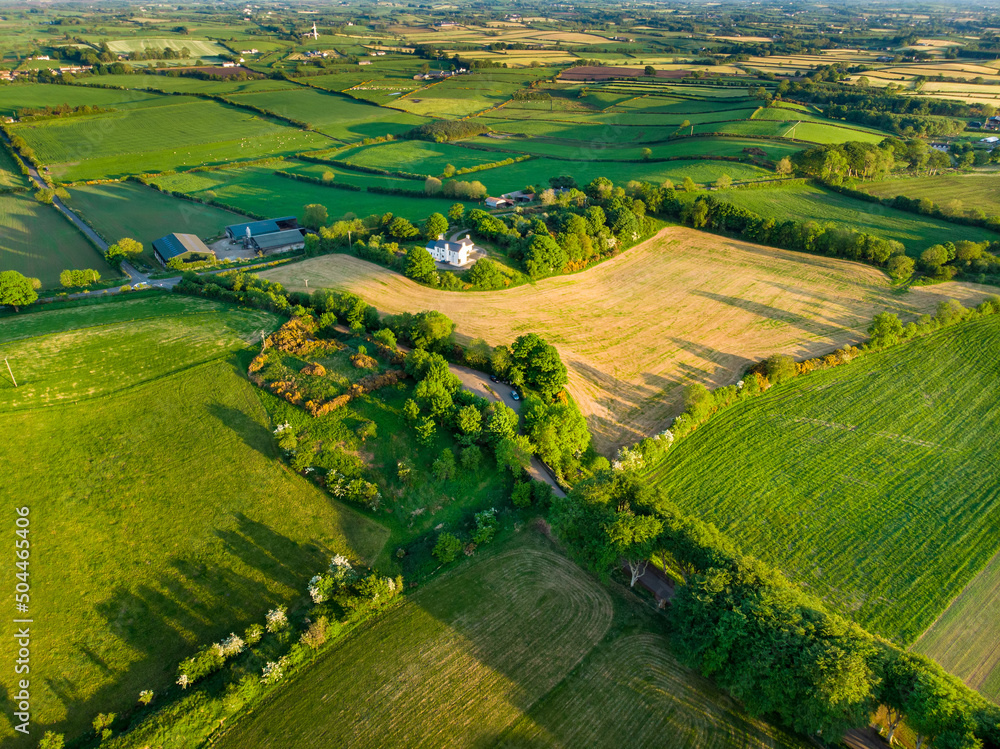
column 455, row 665
column 682, row 307
column 605, row 73
column 636, row 681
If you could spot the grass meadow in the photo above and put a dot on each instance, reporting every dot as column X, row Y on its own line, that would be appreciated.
column 517, row 647
column 869, row 484
column 185, row 132
column 963, row 192
column 258, row 190
column 161, row 516
column 633, row 331
column 130, row 209
column 806, row 202
column 10, row 172
column 38, row 242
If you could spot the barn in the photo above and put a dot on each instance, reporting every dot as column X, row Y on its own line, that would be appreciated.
column 278, row 241
column 187, row 247
column 256, row 228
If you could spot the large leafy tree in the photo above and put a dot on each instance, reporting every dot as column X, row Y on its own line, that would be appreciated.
column 420, row 265
column 543, row 255
column 16, row 290
column 435, row 225
column 125, row 248
column 539, row 365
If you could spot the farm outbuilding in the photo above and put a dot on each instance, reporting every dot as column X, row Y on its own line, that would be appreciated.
column 187, row 247
column 267, row 226
column 279, row 241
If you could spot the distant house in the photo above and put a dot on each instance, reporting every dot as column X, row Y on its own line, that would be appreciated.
column 279, row 241
column 187, row 247
column 498, row 202
column 453, row 253
column 364, row 62
column 990, row 139
column 267, row 226
column 229, row 64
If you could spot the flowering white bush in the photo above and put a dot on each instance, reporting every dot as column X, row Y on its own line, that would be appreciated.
column 666, row 436
column 282, row 427
column 277, row 620
column 146, row 696
column 253, row 634
column 232, row 645
column 317, row 595
column 629, row 459
column 739, row 385
column 183, row 681
column 273, row 671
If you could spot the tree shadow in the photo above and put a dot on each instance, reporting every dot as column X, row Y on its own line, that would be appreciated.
column 254, row 434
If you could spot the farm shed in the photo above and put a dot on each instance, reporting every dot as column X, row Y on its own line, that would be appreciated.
column 498, row 202
column 267, row 226
column 290, row 239
column 187, row 247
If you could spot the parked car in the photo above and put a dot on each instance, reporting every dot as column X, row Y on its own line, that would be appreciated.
column 515, row 395
column 494, row 378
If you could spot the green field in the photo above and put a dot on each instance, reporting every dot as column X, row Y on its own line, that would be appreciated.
column 804, row 202
column 10, row 172
column 487, row 656
column 417, row 156
column 38, row 242
column 15, row 96
column 185, row 84
column 196, row 47
column 335, row 115
column 953, row 192
column 870, row 484
column 161, row 518
column 185, row 132
column 129, row 209
column 258, row 190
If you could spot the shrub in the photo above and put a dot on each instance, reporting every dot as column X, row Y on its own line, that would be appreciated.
column 521, row 496
column 779, row 367
column 486, row 527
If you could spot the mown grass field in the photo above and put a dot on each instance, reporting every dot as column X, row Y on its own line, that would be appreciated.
column 130, row 209
column 964, row 638
column 196, row 47
column 15, row 96
column 683, row 306
column 184, row 132
column 964, row 192
column 186, row 84
column 161, row 518
column 333, row 114
column 485, row 656
column 417, row 156
column 869, row 484
column 808, row 203
column 36, row 241
column 258, row 190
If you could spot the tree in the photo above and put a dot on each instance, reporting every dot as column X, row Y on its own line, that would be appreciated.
column 544, row 255
column 539, row 364
column 449, row 170
column 411, row 410
column 689, row 185
column 433, row 397
column 52, row 740
column 314, row 216
column 432, row 186
column 514, row 453
column 650, row 70
column 521, row 496
column 434, row 226
column 469, row 422
column 779, row 367
column 885, row 330
column 425, row 430
column 784, row 166
column 486, row 274
column 124, row 249
column 647, row 154
column 934, row 258
column 634, row 538
column 456, row 213
column 16, row 290
column 444, row 466
column 401, row 228
column 431, row 330
column 420, row 265
column 900, row 267
column 447, row 548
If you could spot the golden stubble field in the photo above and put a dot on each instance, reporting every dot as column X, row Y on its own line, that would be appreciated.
column 682, row 307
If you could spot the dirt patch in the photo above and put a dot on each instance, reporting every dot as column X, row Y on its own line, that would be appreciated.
column 682, row 307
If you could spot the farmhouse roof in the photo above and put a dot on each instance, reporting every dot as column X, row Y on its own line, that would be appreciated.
column 173, row 245
column 267, row 226
column 278, row 239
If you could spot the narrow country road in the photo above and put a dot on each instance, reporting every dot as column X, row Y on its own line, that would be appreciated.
column 134, row 276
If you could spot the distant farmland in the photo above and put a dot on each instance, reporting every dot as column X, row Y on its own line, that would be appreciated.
column 870, row 484
column 684, row 306
column 954, row 192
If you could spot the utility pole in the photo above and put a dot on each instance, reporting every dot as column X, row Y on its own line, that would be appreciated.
column 307, row 282
column 9, row 370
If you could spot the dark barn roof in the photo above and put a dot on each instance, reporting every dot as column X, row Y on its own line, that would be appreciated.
column 267, row 226
column 278, row 239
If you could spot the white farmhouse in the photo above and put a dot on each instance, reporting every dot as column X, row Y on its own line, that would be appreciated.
column 453, row 253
